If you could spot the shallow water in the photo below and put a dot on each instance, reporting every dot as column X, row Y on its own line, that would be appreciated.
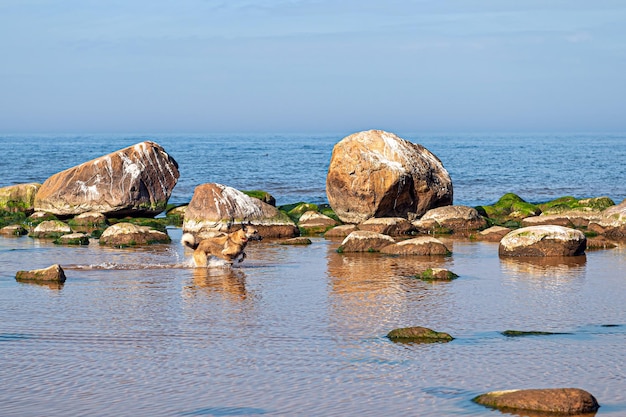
column 301, row 331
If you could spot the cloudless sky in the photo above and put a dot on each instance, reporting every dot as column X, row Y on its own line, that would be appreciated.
column 312, row 65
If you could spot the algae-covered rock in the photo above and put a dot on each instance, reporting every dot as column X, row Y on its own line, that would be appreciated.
column 510, row 208
column 436, row 274
column 52, row 274
column 455, row 218
column 127, row 234
column 569, row 203
column 264, row 196
column 81, row 239
column 13, row 230
column 522, row 333
column 561, row 401
column 418, row 335
column 19, row 198
column 543, row 241
column 51, row 229
column 312, row 222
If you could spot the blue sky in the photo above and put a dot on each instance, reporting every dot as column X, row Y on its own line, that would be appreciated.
column 312, row 66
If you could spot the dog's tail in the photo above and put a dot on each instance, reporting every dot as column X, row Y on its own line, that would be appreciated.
column 188, row 240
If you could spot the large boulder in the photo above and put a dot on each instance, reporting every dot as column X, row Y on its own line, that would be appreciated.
column 561, row 401
column 377, row 174
column 135, row 181
column 216, row 208
column 543, row 241
column 20, row 197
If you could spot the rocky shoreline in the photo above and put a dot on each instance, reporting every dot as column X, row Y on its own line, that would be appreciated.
column 386, row 195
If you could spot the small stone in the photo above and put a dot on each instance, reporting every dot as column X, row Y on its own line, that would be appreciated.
column 563, row 401
column 52, row 274
column 297, row 241
column 437, row 274
column 418, row 335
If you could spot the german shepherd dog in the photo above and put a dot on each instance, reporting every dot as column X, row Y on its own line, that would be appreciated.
column 229, row 247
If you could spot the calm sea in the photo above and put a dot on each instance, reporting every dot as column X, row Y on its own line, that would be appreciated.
column 300, row 331
column 293, row 168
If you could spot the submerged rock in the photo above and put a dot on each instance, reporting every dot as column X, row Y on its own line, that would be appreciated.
column 135, row 181
column 300, row 240
column 543, row 241
column 52, row 274
column 217, row 208
column 563, row 401
column 378, row 174
column 437, row 274
column 418, row 335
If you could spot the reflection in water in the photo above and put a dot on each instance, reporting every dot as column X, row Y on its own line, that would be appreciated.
column 226, row 280
column 555, row 267
column 57, row 286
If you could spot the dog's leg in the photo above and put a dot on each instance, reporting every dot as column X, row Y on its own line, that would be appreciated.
column 200, row 259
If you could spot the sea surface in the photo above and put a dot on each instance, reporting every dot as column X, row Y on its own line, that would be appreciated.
column 301, row 331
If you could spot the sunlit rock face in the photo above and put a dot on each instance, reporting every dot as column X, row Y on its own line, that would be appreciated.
column 378, row 174
column 135, row 181
column 543, row 241
column 219, row 208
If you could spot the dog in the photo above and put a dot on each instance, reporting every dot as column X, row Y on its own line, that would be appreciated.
column 229, row 247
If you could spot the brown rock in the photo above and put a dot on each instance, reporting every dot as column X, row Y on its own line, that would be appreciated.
column 216, row 207
column 377, row 174
column 315, row 222
column 564, row 401
column 19, row 198
column 543, row 241
column 73, row 239
column 364, row 241
column 51, row 229
column 418, row 335
column 493, row 234
column 295, row 241
column 612, row 223
column 52, row 274
column 135, row 181
column 340, row 231
column 455, row 218
column 422, row 245
column 127, row 234
column 13, row 230
column 394, row 226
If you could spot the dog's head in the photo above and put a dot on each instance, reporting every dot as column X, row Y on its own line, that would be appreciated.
column 248, row 232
